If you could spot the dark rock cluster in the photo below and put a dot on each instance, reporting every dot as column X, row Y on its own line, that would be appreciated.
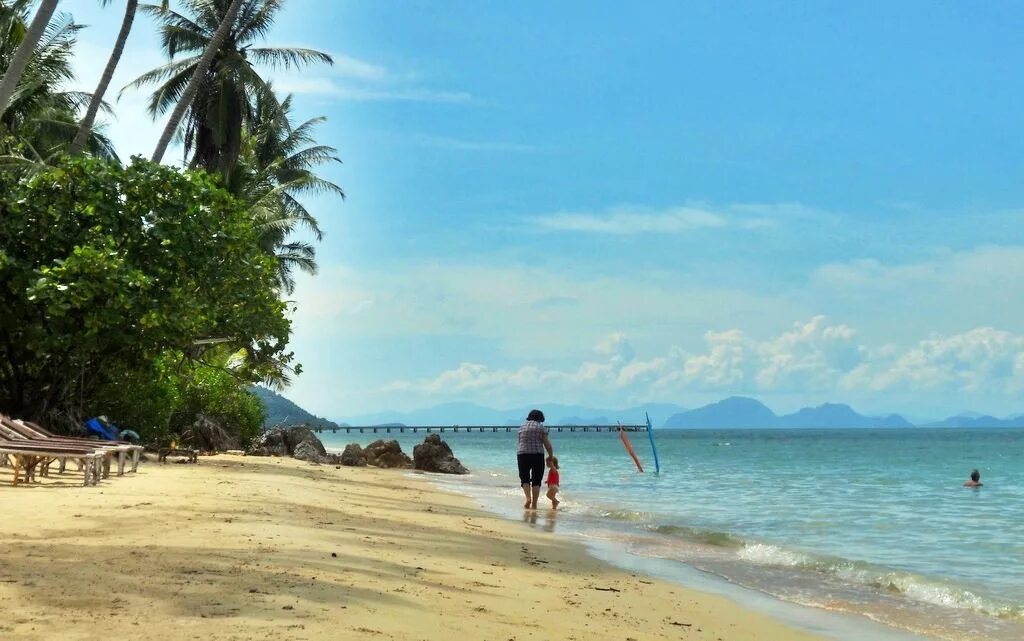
column 433, row 455
column 299, row 442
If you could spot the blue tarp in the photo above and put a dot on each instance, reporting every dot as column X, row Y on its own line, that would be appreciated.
column 99, row 429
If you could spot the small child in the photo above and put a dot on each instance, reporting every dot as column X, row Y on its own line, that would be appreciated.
column 553, row 481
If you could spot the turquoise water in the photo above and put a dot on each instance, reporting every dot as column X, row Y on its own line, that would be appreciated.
column 873, row 522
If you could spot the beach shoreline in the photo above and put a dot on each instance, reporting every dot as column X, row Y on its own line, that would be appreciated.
column 242, row 547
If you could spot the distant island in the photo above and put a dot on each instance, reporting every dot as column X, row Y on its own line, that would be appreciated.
column 736, row 412
column 281, row 411
column 741, row 412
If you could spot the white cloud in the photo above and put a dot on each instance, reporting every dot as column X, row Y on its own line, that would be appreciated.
column 943, row 332
column 323, row 86
column 350, row 67
column 355, row 80
column 814, row 356
column 980, row 359
column 629, row 220
column 811, row 356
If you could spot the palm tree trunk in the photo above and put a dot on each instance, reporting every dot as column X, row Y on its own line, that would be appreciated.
column 198, row 75
column 97, row 97
column 24, row 52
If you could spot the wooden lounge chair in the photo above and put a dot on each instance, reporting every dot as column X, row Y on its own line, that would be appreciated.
column 10, row 438
column 28, row 458
column 123, row 450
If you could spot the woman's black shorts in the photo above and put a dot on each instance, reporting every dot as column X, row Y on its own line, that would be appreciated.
column 531, row 469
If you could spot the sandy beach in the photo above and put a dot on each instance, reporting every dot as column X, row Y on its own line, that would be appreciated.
column 239, row 548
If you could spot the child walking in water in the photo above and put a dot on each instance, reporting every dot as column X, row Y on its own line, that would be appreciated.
column 553, row 481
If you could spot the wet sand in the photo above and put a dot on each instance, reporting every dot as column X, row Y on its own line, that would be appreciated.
column 240, row 548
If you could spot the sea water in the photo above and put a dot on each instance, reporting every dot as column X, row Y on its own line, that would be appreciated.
column 870, row 522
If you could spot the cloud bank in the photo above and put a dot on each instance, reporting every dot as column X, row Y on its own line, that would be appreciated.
column 814, row 356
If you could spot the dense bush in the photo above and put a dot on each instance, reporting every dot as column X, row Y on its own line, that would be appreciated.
column 110, row 274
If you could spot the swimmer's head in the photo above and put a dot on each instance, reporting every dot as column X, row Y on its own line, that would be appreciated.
column 975, row 476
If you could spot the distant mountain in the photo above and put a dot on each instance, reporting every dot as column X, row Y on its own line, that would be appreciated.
column 968, row 414
column 576, row 420
column 740, row 412
column 979, row 421
column 281, row 411
column 555, row 413
column 733, row 412
column 839, row 415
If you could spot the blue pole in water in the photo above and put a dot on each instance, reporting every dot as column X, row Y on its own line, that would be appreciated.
column 654, row 448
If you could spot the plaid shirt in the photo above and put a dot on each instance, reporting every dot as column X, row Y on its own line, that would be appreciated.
column 531, row 438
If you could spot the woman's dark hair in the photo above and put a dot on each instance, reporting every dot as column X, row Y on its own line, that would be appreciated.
column 535, row 415
column 975, row 475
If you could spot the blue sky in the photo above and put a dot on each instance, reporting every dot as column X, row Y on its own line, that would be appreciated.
column 594, row 203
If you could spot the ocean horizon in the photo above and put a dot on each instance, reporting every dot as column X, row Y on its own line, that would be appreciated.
column 868, row 522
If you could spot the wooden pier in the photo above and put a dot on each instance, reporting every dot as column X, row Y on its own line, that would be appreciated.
column 477, row 429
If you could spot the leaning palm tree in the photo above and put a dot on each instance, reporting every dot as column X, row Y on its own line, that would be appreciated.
column 202, row 68
column 20, row 59
column 41, row 117
column 210, row 91
column 275, row 169
column 82, row 135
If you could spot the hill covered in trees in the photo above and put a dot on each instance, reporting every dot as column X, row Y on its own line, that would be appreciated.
column 280, row 411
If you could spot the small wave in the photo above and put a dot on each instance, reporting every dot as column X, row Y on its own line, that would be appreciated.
column 767, row 554
column 930, row 591
column 707, row 537
column 901, row 584
column 630, row 516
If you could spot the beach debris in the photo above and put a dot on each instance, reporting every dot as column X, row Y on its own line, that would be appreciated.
column 386, row 454
column 593, row 587
column 353, row 456
column 434, row 455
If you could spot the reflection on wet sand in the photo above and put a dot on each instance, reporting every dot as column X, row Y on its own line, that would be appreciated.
column 547, row 518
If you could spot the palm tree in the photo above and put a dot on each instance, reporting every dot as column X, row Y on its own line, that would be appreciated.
column 188, row 94
column 20, row 59
column 108, row 72
column 276, row 167
column 41, row 118
column 216, row 82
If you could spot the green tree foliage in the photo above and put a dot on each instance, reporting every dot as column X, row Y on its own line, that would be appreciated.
column 163, row 400
column 276, row 168
column 224, row 103
column 106, row 270
column 41, row 119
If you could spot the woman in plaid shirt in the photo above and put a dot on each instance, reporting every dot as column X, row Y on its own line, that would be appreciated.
column 533, row 441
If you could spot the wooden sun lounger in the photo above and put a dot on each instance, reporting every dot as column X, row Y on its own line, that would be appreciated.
column 124, row 451
column 27, row 458
column 135, row 450
column 10, row 438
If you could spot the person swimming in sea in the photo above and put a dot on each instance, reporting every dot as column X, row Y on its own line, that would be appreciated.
column 975, row 480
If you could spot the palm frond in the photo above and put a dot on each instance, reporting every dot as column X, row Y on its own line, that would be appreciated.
column 288, row 57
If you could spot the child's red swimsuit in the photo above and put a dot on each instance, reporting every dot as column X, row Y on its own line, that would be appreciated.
column 552, row 476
